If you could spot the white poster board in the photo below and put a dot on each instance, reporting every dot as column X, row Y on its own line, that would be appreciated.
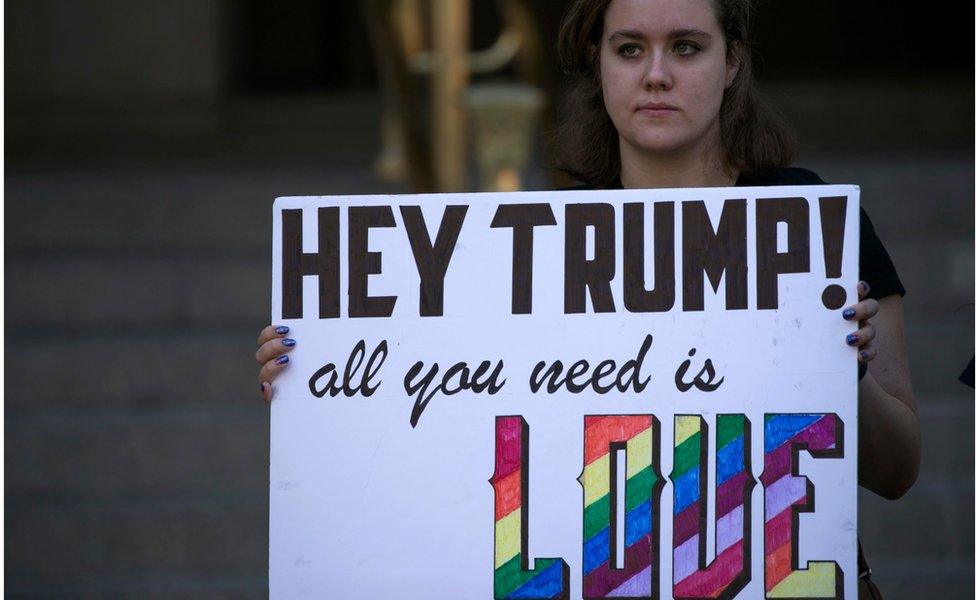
column 670, row 363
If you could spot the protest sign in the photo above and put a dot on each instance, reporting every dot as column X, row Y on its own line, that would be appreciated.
column 630, row 393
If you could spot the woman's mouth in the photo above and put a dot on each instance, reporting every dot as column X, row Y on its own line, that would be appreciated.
column 657, row 109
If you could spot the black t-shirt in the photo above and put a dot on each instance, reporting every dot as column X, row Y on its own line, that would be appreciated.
column 876, row 266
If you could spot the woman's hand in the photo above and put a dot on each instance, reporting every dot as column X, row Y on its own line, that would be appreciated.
column 271, row 355
column 862, row 312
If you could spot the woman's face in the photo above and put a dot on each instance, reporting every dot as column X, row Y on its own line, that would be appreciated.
column 663, row 71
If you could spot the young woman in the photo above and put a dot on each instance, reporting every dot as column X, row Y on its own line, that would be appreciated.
column 663, row 96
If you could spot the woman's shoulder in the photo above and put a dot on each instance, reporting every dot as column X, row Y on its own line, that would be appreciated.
column 780, row 176
column 613, row 185
column 877, row 267
column 577, row 188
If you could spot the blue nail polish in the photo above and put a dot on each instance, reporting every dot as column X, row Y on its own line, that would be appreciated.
column 281, row 359
column 863, row 356
column 852, row 339
column 262, row 388
column 848, row 313
column 281, row 330
column 288, row 342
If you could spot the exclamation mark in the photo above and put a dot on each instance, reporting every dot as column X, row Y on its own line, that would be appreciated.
column 833, row 214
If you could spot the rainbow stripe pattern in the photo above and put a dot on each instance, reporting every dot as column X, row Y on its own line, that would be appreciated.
column 513, row 578
column 639, row 436
column 730, row 570
column 787, row 495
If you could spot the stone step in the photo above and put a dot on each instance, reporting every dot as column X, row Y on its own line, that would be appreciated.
column 123, row 292
column 938, row 275
column 178, row 370
column 107, row 454
column 125, row 545
column 169, row 550
column 934, row 519
column 163, row 207
column 914, row 578
column 875, row 115
column 150, row 586
column 939, row 348
column 946, row 423
column 908, row 197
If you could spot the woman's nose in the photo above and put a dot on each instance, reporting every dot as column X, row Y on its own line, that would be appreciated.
column 657, row 73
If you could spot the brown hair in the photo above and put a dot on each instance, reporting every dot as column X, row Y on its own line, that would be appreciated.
column 587, row 147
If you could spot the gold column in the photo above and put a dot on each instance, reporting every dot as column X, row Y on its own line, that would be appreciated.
column 450, row 41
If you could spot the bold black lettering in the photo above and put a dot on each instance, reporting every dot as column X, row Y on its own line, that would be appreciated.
column 795, row 212
column 295, row 264
column 523, row 219
column 363, row 263
column 833, row 214
column 594, row 274
column 432, row 259
column 636, row 297
column 714, row 252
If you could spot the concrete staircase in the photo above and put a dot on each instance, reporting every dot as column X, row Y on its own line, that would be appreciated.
column 136, row 445
column 136, row 442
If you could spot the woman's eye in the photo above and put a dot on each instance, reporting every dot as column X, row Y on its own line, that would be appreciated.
column 684, row 48
column 629, row 50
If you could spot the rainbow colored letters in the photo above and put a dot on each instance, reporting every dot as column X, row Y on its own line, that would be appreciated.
column 729, row 572
column 637, row 573
column 639, row 436
column 513, row 578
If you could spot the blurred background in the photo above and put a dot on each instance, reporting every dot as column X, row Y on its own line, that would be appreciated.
column 146, row 140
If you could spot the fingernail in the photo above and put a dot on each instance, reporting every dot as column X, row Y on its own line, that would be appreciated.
column 864, row 286
column 288, row 342
column 862, row 356
column 262, row 388
column 281, row 359
column 848, row 313
column 281, row 330
column 851, row 340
